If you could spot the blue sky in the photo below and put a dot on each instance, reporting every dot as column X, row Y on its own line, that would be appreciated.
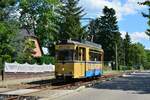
column 128, row 13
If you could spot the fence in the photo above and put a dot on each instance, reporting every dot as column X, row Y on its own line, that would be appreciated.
column 16, row 67
column 21, row 71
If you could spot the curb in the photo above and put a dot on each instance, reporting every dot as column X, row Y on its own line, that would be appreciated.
column 55, row 96
column 80, row 88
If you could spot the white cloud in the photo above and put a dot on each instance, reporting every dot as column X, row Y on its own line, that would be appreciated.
column 123, row 33
column 147, row 48
column 136, row 36
column 129, row 7
column 139, row 36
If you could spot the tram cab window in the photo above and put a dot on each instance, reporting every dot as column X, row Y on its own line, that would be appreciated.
column 64, row 55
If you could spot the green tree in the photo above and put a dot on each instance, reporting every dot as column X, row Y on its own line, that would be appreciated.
column 4, row 5
column 23, row 49
column 127, row 43
column 40, row 16
column 147, row 61
column 121, row 54
column 8, row 29
column 69, row 22
column 137, row 55
column 93, row 28
column 107, row 33
column 147, row 3
column 12, row 46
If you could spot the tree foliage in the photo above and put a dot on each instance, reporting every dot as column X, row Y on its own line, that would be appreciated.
column 3, row 5
column 69, row 22
column 12, row 46
column 137, row 55
column 106, row 32
column 39, row 16
column 147, row 60
column 127, row 44
column 24, row 52
column 8, row 31
column 147, row 15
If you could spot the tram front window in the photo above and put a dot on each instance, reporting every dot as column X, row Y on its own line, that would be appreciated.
column 65, row 55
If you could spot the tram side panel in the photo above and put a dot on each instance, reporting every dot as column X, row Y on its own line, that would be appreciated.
column 93, row 69
column 93, row 64
column 79, row 70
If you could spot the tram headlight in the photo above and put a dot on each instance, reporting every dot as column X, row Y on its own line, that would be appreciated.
column 63, row 69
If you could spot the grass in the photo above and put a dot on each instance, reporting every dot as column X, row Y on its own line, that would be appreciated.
column 111, row 72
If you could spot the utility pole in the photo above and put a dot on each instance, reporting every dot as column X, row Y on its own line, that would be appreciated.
column 116, row 52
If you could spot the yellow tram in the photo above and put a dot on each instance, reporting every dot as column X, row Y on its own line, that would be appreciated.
column 78, row 59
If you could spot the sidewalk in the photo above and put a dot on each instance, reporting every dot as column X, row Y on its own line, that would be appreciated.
column 5, row 83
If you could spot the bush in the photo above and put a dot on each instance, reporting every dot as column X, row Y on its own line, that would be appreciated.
column 146, row 65
column 44, row 59
column 48, row 59
column 123, row 67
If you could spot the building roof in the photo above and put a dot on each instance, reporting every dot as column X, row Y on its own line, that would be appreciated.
column 30, row 34
column 25, row 32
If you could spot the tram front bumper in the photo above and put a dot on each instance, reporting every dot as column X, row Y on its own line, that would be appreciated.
column 69, row 74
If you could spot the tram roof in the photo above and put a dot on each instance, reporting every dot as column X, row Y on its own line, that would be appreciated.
column 82, row 42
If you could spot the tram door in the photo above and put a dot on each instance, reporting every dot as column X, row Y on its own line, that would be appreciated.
column 82, row 58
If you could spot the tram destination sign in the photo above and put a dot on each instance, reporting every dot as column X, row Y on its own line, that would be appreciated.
column 62, row 47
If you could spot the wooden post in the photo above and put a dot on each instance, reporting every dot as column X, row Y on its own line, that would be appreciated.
column 116, row 56
column 2, row 73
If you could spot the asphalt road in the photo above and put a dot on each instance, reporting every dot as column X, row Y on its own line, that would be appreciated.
column 129, row 87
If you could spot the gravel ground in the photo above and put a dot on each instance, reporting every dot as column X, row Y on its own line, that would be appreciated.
column 6, row 83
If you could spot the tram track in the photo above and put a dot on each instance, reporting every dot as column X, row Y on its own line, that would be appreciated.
column 71, row 84
column 58, row 85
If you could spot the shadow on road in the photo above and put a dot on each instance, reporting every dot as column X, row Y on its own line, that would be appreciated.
column 40, row 82
column 136, row 82
column 52, row 82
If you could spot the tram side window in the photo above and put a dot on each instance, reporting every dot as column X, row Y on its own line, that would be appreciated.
column 100, row 57
column 77, row 54
column 83, row 54
column 80, row 54
column 94, row 56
